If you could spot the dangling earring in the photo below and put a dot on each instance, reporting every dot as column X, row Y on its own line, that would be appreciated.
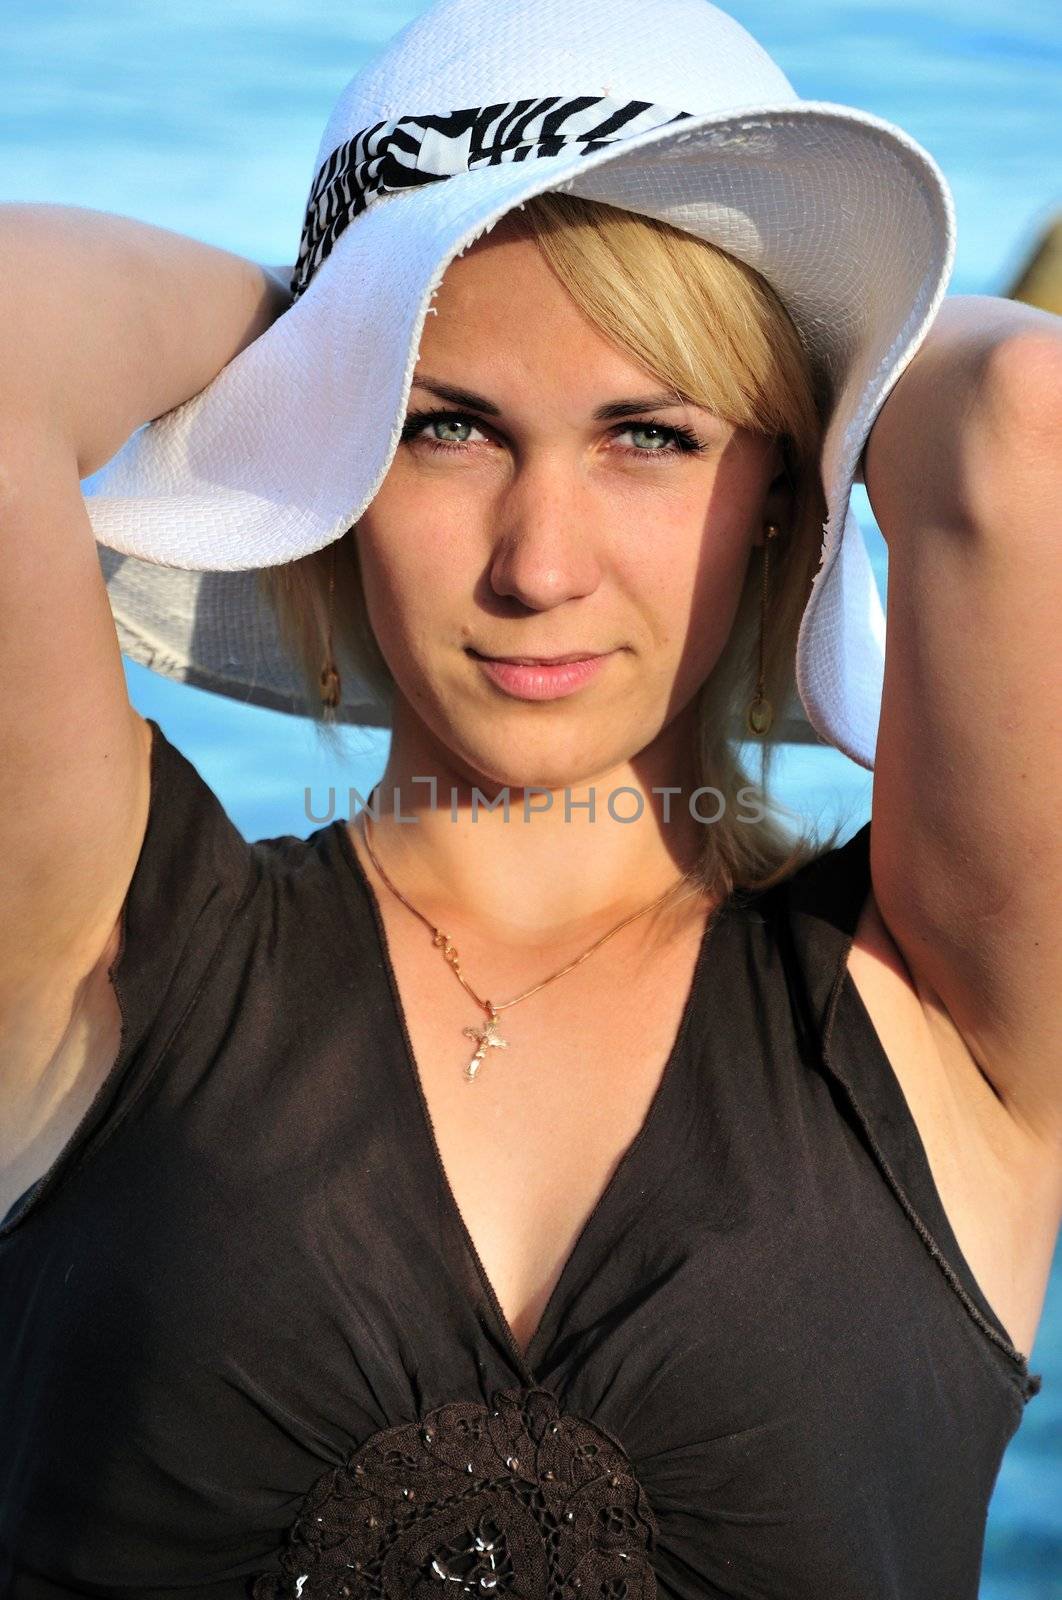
column 329, row 680
column 760, row 715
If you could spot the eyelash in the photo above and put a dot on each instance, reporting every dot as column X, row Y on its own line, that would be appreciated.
column 683, row 440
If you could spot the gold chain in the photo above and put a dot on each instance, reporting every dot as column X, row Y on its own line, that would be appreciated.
column 488, row 1037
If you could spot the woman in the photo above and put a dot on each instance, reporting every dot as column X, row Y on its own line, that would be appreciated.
column 708, row 1268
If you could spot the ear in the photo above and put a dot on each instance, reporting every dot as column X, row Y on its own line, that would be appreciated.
column 779, row 503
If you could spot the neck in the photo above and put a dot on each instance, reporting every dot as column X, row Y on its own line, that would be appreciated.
column 553, row 868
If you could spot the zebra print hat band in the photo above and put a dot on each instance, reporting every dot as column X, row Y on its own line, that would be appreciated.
column 414, row 150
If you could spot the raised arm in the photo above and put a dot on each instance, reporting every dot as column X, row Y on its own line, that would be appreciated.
column 964, row 472
column 105, row 323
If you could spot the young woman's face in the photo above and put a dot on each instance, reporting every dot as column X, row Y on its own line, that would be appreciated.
column 548, row 499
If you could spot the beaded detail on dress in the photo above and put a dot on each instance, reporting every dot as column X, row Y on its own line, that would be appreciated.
column 515, row 1500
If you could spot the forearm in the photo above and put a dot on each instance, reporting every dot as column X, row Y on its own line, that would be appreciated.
column 942, row 450
column 107, row 322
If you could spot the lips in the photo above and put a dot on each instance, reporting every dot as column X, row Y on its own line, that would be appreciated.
column 538, row 661
column 541, row 678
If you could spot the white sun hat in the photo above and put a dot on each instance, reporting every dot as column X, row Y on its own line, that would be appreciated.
column 671, row 110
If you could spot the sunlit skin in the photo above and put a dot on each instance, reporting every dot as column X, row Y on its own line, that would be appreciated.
column 541, row 530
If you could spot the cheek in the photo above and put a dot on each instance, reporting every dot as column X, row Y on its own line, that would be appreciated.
column 687, row 574
column 716, row 596
column 415, row 575
column 410, row 544
column 395, row 588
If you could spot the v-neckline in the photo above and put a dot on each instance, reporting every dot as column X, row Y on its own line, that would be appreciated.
column 527, row 1362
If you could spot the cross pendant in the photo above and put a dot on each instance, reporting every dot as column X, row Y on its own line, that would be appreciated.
column 488, row 1038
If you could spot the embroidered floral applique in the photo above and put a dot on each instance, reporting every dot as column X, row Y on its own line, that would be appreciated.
column 516, row 1500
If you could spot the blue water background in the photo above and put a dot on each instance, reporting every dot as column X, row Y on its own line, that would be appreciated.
column 206, row 118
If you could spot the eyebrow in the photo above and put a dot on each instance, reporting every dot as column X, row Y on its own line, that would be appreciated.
column 628, row 407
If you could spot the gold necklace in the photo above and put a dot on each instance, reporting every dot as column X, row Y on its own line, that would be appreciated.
column 488, row 1037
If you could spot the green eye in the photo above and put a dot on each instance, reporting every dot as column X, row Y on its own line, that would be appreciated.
column 451, row 430
column 652, row 432
column 439, row 430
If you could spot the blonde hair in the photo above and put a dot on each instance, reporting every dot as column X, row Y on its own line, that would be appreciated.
column 713, row 330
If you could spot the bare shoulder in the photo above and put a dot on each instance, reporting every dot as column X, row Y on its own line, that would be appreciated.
column 1000, row 1182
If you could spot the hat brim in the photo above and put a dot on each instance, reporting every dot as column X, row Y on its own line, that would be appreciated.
column 846, row 216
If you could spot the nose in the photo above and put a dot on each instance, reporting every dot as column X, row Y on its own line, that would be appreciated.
column 546, row 549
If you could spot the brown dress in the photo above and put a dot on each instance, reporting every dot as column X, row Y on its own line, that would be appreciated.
column 247, row 1347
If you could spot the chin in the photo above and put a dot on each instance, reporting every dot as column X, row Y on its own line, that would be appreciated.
column 516, row 761
column 493, row 744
